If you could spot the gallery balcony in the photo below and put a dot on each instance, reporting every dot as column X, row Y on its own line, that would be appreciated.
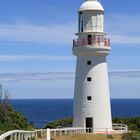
column 98, row 42
column 91, row 46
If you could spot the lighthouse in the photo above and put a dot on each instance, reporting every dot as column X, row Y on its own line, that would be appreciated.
column 91, row 106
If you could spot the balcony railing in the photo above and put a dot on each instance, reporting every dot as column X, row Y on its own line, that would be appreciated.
column 91, row 42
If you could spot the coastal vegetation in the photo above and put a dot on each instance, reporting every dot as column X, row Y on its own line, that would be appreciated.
column 9, row 118
column 67, row 122
column 133, row 123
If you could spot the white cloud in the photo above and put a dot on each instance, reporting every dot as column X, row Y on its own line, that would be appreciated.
column 124, row 74
column 14, row 58
column 123, row 29
column 10, row 77
column 125, row 39
column 42, row 34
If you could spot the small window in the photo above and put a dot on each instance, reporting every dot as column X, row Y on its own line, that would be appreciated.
column 80, row 22
column 89, row 98
column 89, row 62
column 89, row 79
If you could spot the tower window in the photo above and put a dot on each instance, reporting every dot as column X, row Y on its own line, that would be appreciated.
column 89, row 62
column 80, row 22
column 89, row 98
column 89, row 79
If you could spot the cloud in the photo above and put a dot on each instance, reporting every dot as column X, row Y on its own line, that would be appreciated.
column 59, row 85
column 125, row 39
column 124, row 74
column 59, row 34
column 123, row 29
column 10, row 77
column 20, row 58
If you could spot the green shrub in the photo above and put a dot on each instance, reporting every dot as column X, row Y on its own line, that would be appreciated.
column 67, row 122
column 132, row 122
column 136, row 135
column 13, row 120
column 127, row 136
column 109, row 136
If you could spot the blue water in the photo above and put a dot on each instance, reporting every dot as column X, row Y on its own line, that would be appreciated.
column 40, row 112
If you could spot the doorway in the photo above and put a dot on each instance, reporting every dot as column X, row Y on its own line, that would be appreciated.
column 89, row 125
column 89, row 38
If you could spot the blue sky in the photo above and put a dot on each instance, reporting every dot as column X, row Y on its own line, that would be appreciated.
column 36, row 36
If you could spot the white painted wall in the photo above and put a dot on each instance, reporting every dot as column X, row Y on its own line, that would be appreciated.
column 98, row 88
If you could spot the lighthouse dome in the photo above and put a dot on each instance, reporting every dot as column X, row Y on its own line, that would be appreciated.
column 91, row 5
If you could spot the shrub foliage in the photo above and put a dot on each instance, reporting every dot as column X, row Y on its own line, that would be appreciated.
column 133, row 123
column 9, row 118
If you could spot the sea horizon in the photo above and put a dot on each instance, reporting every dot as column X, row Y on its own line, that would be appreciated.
column 68, row 99
column 42, row 111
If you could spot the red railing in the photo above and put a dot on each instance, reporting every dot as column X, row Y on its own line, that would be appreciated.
column 91, row 42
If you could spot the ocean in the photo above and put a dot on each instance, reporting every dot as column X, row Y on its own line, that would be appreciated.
column 42, row 111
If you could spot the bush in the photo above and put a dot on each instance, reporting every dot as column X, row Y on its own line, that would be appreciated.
column 9, row 118
column 133, row 122
column 13, row 120
column 127, row 136
column 136, row 135
column 67, row 122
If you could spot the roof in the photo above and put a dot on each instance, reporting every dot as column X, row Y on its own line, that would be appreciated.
column 91, row 5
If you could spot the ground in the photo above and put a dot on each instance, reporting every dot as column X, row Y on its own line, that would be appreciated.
column 89, row 137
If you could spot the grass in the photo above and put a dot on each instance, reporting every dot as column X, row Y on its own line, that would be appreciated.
column 89, row 137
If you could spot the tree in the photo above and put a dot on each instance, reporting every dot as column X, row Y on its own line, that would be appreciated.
column 4, row 97
column 9, row 118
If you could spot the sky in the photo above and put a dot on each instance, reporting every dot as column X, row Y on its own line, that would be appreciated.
column 36, row 37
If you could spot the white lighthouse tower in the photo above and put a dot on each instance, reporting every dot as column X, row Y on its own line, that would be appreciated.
column 91, row 96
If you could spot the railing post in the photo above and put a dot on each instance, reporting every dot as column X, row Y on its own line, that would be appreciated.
column 105, row 42
column 25, row 136
column 15, row 136
column 48, row 134
column 98, row 41
column 18, row 136
column 33, row 135
column 30, row 136
column 108, row 42
column 11, row 137
column 36, row 135
column 21, row 136
column 54, row 133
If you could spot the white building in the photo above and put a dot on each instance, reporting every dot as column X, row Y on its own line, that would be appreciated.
column 91, row 97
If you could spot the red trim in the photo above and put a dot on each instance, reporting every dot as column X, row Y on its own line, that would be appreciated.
column 85, row 41
column 103, row 132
